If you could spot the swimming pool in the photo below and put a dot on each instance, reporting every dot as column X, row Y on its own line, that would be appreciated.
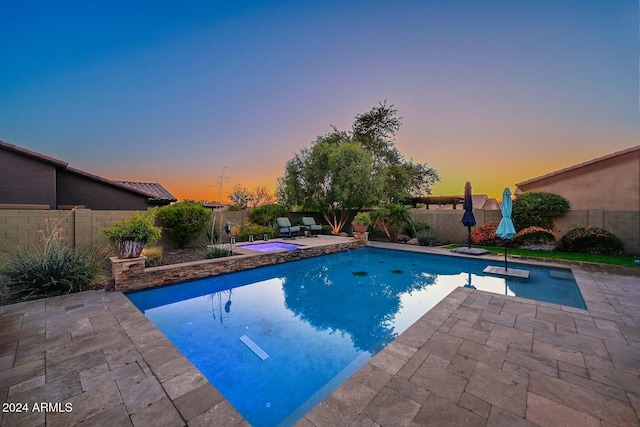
column 277, row 340
column 270, row 246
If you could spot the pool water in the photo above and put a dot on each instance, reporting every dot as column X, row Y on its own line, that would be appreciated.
column 277, row 340
column 270, row 246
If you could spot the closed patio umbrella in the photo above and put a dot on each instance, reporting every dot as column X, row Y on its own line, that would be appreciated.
column 468, row 220
column 506, row 230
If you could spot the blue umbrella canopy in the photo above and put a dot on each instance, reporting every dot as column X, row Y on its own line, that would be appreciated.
column 506, row 230
column 468, row 219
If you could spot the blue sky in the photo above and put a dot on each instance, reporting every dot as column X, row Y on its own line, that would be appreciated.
column 492, row 92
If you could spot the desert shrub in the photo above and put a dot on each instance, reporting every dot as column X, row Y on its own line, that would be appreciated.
column 485, row 235
column 425, row 237
column 537, row 209
column 153, row 254
column 267, row 214
column 50, row 269
column 256, row 230
column 212, row 251
column 184, row 220
column 412, row 231
column 532, row 236
column 592, row 240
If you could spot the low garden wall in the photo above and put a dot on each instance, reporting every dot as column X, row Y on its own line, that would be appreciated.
column 130, row 274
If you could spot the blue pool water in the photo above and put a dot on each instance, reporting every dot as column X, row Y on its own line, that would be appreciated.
column 276, row 340
column 270, row 246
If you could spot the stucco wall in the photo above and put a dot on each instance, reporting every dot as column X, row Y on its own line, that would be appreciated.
column 19, row 228
column 613, row 184
column 26, row 181
column 78, row 190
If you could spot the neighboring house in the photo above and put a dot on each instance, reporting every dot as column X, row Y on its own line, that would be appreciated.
column 30, row 180
column 480, row 201
column 611, row 182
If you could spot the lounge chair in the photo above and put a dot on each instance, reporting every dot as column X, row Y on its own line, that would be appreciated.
column 286, row 229
column 309, row 224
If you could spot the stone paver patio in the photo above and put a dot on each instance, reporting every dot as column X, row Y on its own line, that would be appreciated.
column 474, row 359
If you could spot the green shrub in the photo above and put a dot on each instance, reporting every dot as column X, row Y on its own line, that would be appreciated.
column 485, row 235
column 257, row 231
column 215, row 251
column 51, row 269
column 153, row 254
column 425, row 236
column 267, row 214
column 592, row 240
column 413, row 230
column 533, row 236
column 138, row 227
column 362, row 218
column 537, row 209
column 184, row 220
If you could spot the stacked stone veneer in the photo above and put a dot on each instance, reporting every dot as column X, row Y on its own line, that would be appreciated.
column 130, row 274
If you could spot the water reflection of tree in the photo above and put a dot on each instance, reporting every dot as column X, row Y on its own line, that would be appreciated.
column 220, row 304
column 361, row 306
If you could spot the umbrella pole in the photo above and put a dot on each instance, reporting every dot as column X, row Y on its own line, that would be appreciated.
column 505, row 254
column 469, row 237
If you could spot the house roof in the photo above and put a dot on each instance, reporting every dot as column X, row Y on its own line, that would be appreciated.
column 154, row 191
column 158, row 191
column 580, row 165
column 32, row 154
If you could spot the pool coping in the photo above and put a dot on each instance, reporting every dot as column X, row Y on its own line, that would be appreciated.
column 474, row 359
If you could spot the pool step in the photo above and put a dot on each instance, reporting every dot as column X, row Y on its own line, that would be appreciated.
column 512, row 272
column 254, row 347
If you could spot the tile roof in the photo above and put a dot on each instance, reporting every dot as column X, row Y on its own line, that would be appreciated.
column 580, row 165
column 158, row 191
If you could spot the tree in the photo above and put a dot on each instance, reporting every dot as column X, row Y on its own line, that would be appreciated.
column 240, row 197
column 261, row 195
column 331, row 178
column 374, row 131
column 538, row 208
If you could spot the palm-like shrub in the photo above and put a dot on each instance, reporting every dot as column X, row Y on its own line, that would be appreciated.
column 392, row 218
column 592, row 240
column 485, row 235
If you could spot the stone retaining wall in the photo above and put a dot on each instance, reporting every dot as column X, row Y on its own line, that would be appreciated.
column 130, row 274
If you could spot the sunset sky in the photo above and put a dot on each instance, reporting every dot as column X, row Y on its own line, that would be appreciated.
column 492, row 92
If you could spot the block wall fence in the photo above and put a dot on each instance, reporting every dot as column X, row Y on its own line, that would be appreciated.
column 20, row 228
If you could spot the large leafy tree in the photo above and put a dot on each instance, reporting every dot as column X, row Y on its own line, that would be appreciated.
column 395, row 178
column 331, row 178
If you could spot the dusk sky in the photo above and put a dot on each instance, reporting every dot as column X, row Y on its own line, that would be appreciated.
column 492, row 92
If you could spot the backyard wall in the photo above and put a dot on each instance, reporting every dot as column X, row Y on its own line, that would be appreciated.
column 448, row 228
column 19, row 228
